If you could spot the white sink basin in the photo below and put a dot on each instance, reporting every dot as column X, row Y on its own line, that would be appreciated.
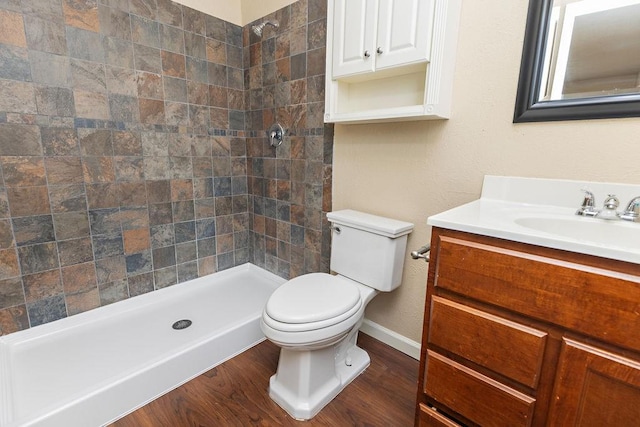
column 598, row 231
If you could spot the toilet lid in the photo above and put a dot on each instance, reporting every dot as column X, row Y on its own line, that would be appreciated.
column 312, row 298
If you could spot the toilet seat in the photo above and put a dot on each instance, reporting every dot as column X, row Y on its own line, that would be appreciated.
column 311, row 302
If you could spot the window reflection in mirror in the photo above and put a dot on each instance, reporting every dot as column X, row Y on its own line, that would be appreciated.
column 592, row 49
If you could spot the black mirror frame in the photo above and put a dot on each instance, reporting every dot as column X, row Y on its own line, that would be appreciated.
column 529, row 109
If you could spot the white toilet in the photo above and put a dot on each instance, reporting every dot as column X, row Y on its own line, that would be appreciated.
column 315, row 318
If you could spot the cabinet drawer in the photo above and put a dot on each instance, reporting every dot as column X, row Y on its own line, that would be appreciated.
column 429, row 417
column 594, row 301
column 505, row 347
column 475, row 396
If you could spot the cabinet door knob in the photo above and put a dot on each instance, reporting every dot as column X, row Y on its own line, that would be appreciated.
column 366, row 54
column 379, row 50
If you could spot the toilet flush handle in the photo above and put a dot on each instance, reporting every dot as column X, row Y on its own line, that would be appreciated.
column 422, row 253
column 336, row 229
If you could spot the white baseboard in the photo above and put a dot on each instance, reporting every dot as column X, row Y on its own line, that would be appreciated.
column 392, row 339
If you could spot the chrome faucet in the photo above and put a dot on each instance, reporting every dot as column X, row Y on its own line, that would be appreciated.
column 632, row 212
column 588, row 207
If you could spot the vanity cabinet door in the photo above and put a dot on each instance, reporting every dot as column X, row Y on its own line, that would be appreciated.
column 354, row 36
column 595, row 388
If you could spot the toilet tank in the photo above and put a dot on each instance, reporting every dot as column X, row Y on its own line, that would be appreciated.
column 368, row 248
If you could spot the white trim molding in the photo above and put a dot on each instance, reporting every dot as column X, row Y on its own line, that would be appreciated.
column 399, row 342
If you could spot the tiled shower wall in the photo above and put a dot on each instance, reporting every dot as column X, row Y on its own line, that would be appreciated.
column 125, row 131
column 290, row 185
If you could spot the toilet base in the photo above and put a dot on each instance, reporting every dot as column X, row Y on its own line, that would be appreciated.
column 306, row 381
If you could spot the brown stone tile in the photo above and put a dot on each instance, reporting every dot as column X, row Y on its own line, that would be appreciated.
column 23, row 171
column 133, row 218
column 218, row 96
column 91, row 105
column 29, row 230
column 157, row 168
column 88, row 75
column 12, row 29
column 219, row 118
column 9, row 263
column 79, row 278
column 13, row 319
column 127, row 143
column 25, row 201
column 111, row 269
column 36, row 258
column 151, row 111
column 206, row 265
column 67, row 198
column 204, row 208
column 64, row 170
column 129, row 168
column 42, row 285
column 216, row 51
column 104, row 195
column 136, row 240
column 150, row 85
column 175, row 89
column 197, row 93
column 17, row 97
column 81, row 14
column 71, row 225
column 95, row 142
column 132, row 194
column 59, row 141
column 173, row 64
column 316, row 62
column 82, row 301
column 75, row 251
column 11, row 292
column 113, row 292
column 181, row 189
column 159, row 191
column 224, row 243
column 20, row 140
column 6, row 234
column 98, row 169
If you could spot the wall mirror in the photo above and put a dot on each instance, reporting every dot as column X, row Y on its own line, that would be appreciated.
column 580, row 60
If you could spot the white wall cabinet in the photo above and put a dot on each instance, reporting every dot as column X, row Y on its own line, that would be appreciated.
column 374, row 35
column 390, row 60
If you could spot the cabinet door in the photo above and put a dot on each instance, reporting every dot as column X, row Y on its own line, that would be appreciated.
column 595, row 388
column 354, row 28
column 404, row 32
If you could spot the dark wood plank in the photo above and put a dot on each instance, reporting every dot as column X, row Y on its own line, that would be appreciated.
column 235, row 394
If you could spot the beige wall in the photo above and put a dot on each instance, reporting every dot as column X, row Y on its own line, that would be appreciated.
column 254, row 9
column 239, row 12
column 228, row 10
column 412, row 170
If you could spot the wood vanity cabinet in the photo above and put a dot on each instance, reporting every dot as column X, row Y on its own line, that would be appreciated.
column 522, row 335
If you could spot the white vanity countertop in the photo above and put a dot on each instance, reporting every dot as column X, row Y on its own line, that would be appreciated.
column 542, row 212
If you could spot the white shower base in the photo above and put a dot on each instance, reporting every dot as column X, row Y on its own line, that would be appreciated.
column 92, row 368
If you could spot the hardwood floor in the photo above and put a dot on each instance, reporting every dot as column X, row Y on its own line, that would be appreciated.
column 235, row 394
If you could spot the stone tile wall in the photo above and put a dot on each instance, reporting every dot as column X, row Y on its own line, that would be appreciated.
column 122, row 153
column 290, row 186
column 133, row 153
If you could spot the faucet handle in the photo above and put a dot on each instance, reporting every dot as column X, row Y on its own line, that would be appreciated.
column 611, row 202
column 588, row 204
column 632, row 212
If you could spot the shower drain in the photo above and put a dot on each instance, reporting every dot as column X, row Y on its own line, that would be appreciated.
column 182, row 324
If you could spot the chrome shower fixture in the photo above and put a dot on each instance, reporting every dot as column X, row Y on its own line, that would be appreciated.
column 257, row 29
